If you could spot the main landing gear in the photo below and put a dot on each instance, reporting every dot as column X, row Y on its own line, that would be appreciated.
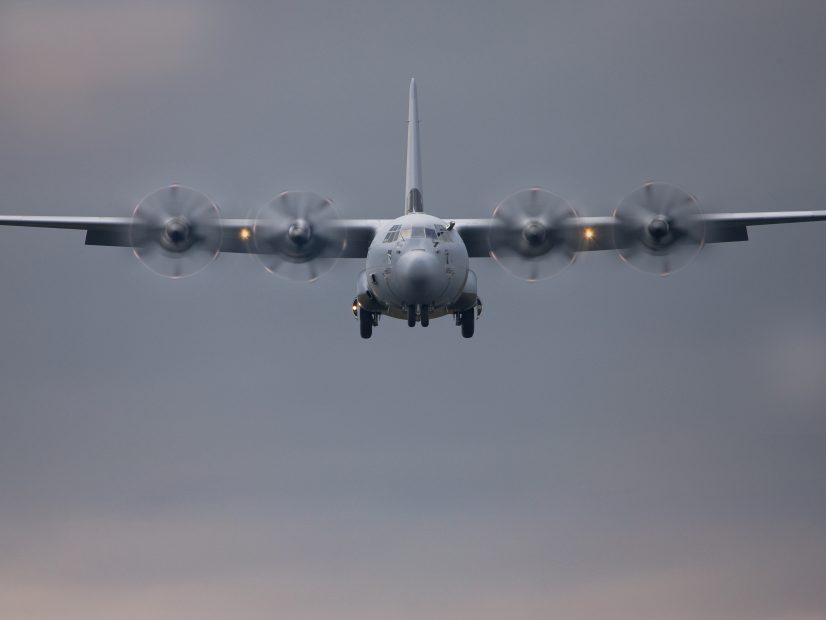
column 367, row 320
column 467, row 319
column 365, row 323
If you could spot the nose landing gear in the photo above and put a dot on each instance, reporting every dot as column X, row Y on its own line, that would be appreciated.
column 423, row 315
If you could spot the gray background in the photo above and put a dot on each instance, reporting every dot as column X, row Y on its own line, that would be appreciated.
column 609, row 445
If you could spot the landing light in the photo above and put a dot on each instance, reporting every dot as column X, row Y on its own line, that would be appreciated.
column 245, row 234
column 589, row 233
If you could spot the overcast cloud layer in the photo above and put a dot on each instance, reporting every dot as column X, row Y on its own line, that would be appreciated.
column 609, row 445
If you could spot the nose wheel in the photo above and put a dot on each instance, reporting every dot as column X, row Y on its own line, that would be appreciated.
column 423, row 315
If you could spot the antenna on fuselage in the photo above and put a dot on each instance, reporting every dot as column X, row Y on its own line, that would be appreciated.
column 413, row 178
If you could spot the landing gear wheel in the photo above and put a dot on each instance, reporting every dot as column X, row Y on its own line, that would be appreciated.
column 468, row 318
column 365, row 323
column 411, row 316
column 424, row 310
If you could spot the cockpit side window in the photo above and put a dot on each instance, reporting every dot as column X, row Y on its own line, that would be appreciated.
column 392, row 234
column 430, row 232
column 443, row 233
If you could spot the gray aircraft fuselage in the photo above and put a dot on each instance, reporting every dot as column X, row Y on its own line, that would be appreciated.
column 416, row 260
column 417, row 265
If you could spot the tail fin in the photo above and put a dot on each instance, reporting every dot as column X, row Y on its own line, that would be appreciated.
column 413, row 180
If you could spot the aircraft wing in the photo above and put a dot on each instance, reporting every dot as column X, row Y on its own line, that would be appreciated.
column 595, row 233
column 603, row 233
column 115, row 231
column 358, row 234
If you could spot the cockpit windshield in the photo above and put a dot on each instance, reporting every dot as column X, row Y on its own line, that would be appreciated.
column 412, row 232
column 409, row 232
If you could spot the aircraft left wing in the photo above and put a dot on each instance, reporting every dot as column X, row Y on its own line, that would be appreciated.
column 235, row 233
column 609, row 233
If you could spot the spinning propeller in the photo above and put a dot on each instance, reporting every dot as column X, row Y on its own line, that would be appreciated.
column 175, row 231
column 529, row 237
column 297, row 235
column 660, row 228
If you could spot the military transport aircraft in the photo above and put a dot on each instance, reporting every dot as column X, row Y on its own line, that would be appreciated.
column 417, row 265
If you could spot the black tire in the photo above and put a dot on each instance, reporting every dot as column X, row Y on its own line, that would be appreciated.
column 365, row 323
column 411, row 316
column 425, row 312
column 468, row 323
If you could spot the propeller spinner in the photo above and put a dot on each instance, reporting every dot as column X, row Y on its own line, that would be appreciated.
column 528, row 236
column 297, row 236
column 660, row 228
column 176, row 231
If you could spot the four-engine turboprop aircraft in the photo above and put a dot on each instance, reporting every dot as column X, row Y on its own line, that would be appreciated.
column 417, row 265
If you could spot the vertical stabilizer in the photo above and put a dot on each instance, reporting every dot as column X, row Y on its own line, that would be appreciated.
column 413, row 179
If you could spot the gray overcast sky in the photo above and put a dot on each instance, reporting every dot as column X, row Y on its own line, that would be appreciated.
column 609, row 445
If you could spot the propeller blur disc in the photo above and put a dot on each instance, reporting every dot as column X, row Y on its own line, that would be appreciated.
column 529, row 237
column 660, row 228
column 176, row 231
column 298, row 235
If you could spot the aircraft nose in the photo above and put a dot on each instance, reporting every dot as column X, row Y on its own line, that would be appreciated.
column 418, row 273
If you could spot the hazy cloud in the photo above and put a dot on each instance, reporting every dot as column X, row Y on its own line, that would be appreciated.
column 608, row 445
column 65, row 55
